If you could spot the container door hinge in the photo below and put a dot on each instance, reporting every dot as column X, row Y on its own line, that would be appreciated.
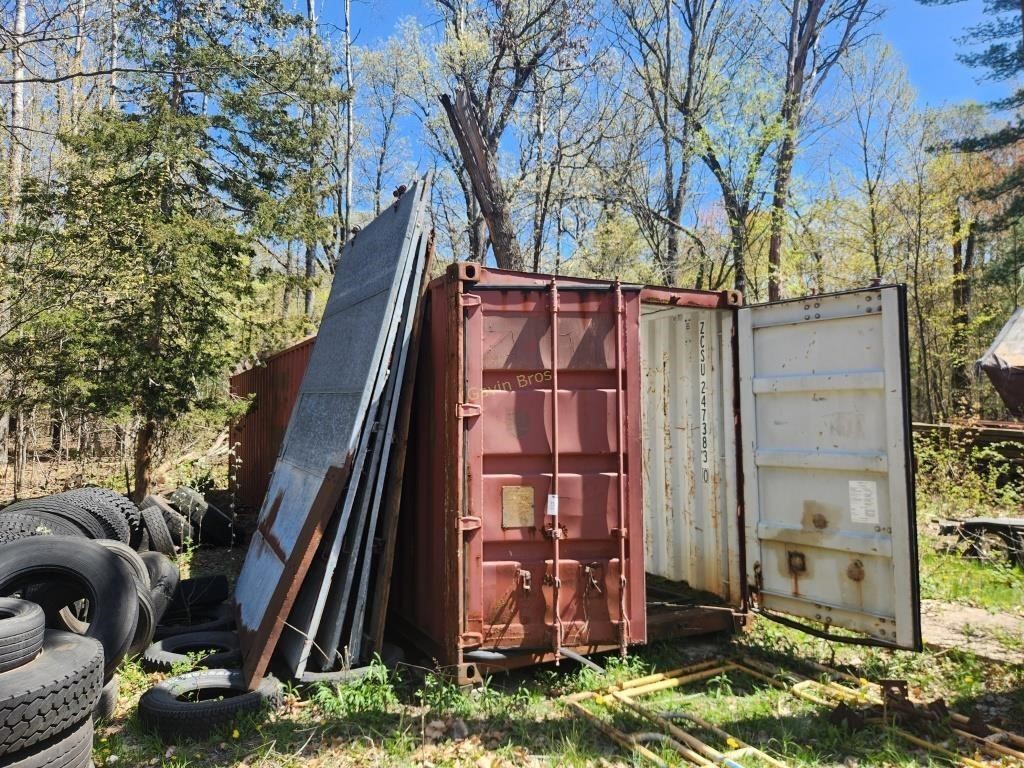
column 470, row 640
column 469, row 300
column 469, row 523
column 469, row 410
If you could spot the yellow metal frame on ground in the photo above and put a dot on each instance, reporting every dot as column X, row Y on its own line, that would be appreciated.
column 692, row 749
column 827, row 694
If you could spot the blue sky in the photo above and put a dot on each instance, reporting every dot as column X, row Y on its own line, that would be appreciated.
column 925, row 37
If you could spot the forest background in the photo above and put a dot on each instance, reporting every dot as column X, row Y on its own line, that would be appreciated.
column 178, row 178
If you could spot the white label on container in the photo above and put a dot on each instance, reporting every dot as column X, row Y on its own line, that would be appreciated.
column 552, row 505
column 864, row 501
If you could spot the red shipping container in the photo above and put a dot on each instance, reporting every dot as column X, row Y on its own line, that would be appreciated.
column 256, row 437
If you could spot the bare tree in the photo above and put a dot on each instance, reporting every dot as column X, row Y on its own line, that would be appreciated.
column 491, row 53
column 819, row 33
column 881, row 103
column 675, row 90
column 388, row 85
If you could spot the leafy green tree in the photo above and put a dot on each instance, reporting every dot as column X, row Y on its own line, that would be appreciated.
column 169, row 273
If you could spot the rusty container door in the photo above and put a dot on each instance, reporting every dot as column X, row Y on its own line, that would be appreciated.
column 257, row 436
column 536, row 466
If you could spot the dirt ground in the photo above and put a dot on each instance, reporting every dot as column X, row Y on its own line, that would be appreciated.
column 995, row 635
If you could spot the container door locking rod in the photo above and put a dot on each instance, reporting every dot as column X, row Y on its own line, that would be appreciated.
column 620, row 450
column 552, row 506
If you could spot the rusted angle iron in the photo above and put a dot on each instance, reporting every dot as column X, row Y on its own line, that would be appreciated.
column 755, row 669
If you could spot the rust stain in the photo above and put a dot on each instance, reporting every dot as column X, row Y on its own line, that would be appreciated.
column 258, row 644
column 266, row 527
column 817, row 515
column 795, row 566
column 855, row 571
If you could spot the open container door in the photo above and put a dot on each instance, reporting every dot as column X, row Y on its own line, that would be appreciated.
column 829, row 517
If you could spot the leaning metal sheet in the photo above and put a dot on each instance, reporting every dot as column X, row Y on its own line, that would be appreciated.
column 340, row 598
column 305, row 618
column 356, row 637
column 325, row 426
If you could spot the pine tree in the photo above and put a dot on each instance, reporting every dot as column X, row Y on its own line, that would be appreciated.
column 1002, row 56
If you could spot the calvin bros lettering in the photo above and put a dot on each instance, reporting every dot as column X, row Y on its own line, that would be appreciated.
column 521, row 381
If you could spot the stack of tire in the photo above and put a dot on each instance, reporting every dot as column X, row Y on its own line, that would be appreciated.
column 116, row 526
column 50, row 683
column 58, row 670
column 103, row 594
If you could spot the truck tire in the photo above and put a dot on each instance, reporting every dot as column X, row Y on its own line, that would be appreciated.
column 54, row 691
column 180, row 528
column 89, row 525
column 214, row 526
column 107, row 515
column 78, row 570
column 209, row 618
column 200, row 591
column 159, row 536
column 145, row 627
column 126, row 506
column 220, row 649
column 21, row 525
column 21, row 632
column 106, row 707
column 70, row 749
column 165, row 708
column 130, row 558
column 163, row 579
column 146, row 622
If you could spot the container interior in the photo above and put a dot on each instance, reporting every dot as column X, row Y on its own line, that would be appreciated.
column 691, row 541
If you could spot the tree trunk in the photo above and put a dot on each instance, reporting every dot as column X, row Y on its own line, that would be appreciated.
column 478, row 239
column 145, row 443
column 77, row 61
column 307, row 295
column 114, row 54
column 56, row 433
column 314, row 208
column 876, row 238
column 780, row 196
column 538, row 172
column 738, row 245
column 14, row 179
column 289, row 272
column 963, row 261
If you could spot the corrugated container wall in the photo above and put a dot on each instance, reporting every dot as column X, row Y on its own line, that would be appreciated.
column 273, row 386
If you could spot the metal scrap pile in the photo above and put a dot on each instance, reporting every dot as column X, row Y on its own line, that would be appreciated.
column 303, row 595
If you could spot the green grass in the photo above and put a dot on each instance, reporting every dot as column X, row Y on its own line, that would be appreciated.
column 992, row 584
column 408, row 717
